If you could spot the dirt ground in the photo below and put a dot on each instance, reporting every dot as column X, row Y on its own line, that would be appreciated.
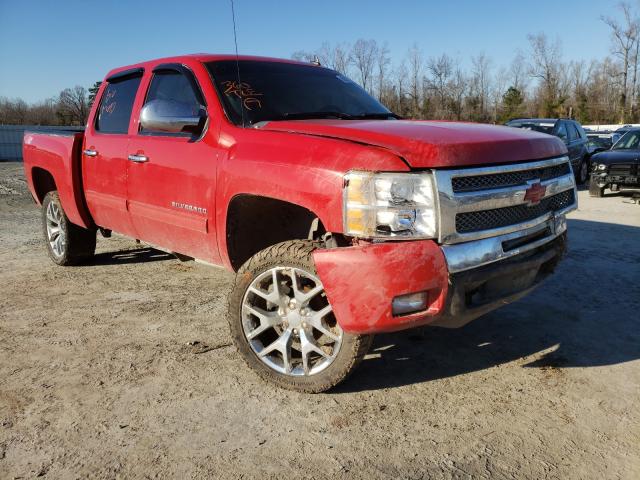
column 123, row 369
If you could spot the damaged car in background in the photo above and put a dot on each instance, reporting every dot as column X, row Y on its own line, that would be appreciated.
column 617, row 169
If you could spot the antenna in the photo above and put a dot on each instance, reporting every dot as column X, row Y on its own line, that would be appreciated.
column 235, row 40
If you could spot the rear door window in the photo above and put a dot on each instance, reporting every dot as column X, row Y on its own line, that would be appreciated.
column 561, row 132
column 116, row 105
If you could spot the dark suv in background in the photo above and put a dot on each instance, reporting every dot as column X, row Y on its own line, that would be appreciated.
column 570, row 132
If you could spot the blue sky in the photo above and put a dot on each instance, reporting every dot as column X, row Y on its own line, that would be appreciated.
column 46, row 46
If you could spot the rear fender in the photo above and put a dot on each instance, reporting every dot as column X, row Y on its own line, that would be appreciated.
column 59, row 155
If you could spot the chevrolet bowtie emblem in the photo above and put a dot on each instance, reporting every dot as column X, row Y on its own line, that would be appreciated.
column 535, row 193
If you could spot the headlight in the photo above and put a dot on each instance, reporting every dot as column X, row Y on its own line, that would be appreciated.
column 389, row 205
column 602, row 167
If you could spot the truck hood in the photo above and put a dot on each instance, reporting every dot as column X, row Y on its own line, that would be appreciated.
column 610, row 157
column 425, row 144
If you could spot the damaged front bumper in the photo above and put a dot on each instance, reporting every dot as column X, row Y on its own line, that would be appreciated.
column 461, row 281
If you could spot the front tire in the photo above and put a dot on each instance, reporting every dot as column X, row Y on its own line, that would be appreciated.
column 67, row 244
column 283, row 325
column 582, row 175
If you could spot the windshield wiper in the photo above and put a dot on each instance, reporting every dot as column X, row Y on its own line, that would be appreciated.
column 309, row 115
column 339, row 115
column 376, row 116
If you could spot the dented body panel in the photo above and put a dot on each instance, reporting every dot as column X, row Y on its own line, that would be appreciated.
column 362, row 280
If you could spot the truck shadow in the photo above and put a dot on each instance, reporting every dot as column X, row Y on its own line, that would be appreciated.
column 586, row 315
column 134, row 255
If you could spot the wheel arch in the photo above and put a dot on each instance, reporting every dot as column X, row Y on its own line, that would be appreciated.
column 255, row 222
column 43, row 183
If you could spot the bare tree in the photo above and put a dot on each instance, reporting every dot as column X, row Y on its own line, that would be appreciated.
column 481, row 79
column 341, row 58
column 440, row 72
column 498, row 87
column 74, row 104
column 13, row 111
column 518, row 72
column 416, row 69
column 401, row 75
column 335, row 57
column 624, row 35
column 634, row 93
column 363, row 57
column 459, row 85
column 382, row 62
column 546, row 66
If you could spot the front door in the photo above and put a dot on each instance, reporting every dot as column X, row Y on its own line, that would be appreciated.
column 171, row 177
column 104, row 156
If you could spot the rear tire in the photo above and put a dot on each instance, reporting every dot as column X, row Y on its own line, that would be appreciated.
column 67, row 244
column 595, row 190
column 279, row 327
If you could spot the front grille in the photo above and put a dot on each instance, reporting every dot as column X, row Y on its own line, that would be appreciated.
column 500, row 217
column 620, row 169
column 507, row 179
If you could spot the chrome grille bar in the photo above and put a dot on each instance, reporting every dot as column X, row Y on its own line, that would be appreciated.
column 452, row 203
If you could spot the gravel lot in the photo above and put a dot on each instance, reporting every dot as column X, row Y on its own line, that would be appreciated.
column 123, row 369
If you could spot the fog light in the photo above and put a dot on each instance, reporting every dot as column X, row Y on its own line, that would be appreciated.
column 411, row 303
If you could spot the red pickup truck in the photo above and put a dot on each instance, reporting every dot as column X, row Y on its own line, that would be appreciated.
column 340, row 219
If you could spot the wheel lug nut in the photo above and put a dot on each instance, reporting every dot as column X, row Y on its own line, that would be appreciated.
column 292, row 305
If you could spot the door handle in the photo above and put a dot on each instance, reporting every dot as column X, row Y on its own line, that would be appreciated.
column 138, row 158
column 90, row 153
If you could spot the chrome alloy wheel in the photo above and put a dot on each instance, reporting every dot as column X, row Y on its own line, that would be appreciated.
column 289, row 323
column 55, row 233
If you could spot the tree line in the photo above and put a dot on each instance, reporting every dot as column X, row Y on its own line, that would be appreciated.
column 537, row 82
column 70, row 107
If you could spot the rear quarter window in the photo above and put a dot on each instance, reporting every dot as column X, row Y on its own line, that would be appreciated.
column 116, row 105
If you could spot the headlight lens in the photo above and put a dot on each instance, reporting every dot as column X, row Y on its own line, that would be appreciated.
column 602, row 167
column 390, row 205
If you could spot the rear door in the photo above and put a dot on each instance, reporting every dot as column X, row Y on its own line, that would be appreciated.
column 562, row 133
column 171, row 176
column 104, row 157
column 575, row 144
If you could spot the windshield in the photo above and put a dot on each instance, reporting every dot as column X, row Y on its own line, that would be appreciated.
column 286, row 91
column 629, row 141
column 542, row 127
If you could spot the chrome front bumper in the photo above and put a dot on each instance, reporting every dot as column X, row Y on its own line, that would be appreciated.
column 468, row 255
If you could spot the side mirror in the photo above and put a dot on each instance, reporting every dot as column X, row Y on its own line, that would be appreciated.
column 172, row 116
